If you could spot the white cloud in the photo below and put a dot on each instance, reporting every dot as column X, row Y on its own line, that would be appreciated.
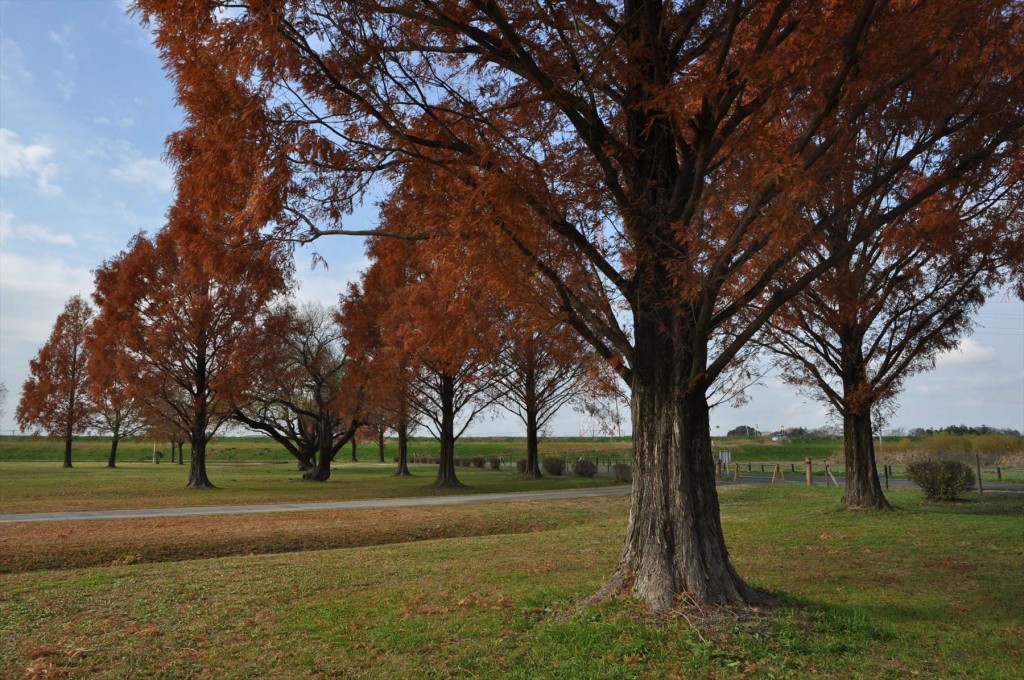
column 34, row 290
column 101, row 120
column 9, row 231
column 148, row 171
column 969, row 352
column 28, row 160
column 125, row 122
column 12, row 62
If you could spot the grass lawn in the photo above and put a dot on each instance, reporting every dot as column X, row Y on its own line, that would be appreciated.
column 933, row 590
column 45, row 487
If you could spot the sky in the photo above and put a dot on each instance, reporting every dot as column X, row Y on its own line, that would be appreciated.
column 85, row 108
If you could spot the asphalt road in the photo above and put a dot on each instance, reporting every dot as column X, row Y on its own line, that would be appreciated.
column 745, row 478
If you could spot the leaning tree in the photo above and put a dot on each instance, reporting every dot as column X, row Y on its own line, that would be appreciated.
column 55, row 396
column 654, row 161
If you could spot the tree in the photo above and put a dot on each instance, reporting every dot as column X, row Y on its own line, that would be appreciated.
column 652, row 160
column 54, row 397
column 894, row 301
column 306, row 393
column 188, row 330
column 540, row 372
column 743, row 431
column 116, row 408
column 448, row 334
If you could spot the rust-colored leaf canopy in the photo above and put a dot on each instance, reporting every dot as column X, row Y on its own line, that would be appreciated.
column 186, row 332
column 55, row 398
column 664, row 157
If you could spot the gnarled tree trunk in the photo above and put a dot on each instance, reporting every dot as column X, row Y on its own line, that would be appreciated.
column 322, row 471
column 862, row 488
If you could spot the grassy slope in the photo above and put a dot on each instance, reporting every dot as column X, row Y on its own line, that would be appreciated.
column 930, row 591
column 44, row 487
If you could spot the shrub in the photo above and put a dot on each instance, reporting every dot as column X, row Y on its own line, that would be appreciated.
column 479, row 461
column 622, row 473
column 521, row 466
column 553, row 466
column 941, row 480
column 495, row 463
column 584, row 468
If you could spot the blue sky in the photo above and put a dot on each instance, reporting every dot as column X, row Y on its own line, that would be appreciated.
column 84, row 111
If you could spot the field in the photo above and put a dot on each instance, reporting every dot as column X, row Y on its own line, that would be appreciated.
column 932, row 590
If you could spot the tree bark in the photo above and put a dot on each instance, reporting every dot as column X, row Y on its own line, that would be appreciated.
column 197, row 477
column 112, row 458
column 380, row 445
column 67, row 449
column 181, row 452
column 674, row 542
column 173, row 450
column 403, row 449
column 322, row 471
column 862, row 486
column 532, row 446
column 446, row 468
column 863, row 489
column 355, row 458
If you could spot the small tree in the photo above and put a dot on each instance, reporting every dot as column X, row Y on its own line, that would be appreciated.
column 54, row 397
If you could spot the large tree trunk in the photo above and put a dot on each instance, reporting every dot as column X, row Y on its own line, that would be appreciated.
column 862, row 487
column 322, row 471
column 446, row 469
column 532, row 446
column 112, row 458
column 181, row 452
column 403, row 449
column 674, row 542
column 197, row 478
column 355, row 458
column 380, row 445
column 67, row 449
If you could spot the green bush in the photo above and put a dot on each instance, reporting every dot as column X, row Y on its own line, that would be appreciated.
column 941, row 480
column 553, row 466
column 478, row 461
column 584, row 468
column 622, row 473
column 495, row 463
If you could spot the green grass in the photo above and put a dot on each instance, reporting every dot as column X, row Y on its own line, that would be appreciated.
column 43, row 487
column 933, row 590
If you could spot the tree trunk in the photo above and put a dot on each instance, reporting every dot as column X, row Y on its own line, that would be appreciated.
column 380, row 445
column 355, row 458
column 674, row 542
column 403, row 449
column 532, row 447
column 446, row 468
column 67, row 449
column 181, row 452
column 112, row 458
column 173, row 450
column 322, row 471
column 197, row 478
column 863, row 488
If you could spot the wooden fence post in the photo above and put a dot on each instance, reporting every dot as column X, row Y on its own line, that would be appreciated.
column 999, row 473
column 977, row 461
column 810, row 477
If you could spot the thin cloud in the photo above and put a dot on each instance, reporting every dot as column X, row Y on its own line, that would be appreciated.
column 150, row 172
column 11, row 232
column 18, row 159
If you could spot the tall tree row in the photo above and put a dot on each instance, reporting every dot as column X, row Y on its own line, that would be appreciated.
column 656, row 162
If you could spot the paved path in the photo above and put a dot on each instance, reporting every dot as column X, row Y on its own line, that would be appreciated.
column 307, row 507
column 746, row 478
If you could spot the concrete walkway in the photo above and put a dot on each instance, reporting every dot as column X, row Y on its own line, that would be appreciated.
column 311, row 507
column 745, row 478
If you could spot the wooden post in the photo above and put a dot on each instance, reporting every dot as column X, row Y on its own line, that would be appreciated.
column 748, row 467
column 792, row 467
column 827, row 483
column 810, row 477
column 977, row 461
column 886, row 469
column 736, row 473
column 779, row 473
column 999, row 473
column 718, row 468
